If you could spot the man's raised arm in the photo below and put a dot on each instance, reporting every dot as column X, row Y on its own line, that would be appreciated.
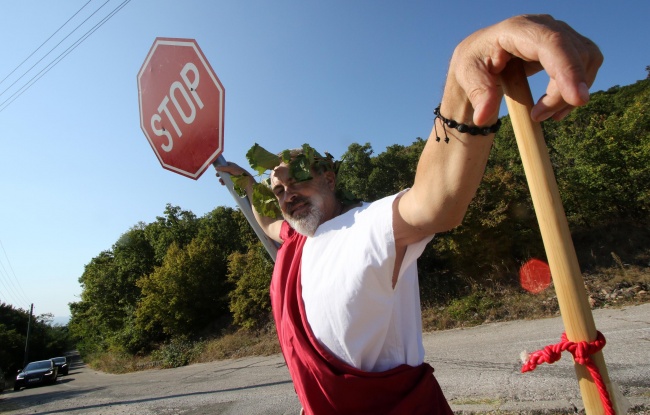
column 270, row 226
column 449, row 174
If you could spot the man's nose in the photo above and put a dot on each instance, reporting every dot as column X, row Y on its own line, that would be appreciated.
column 289, row 194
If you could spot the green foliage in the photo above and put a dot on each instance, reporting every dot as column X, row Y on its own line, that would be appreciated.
column 45, row 340
column 250, row 272
column 185, row 293
column 177, row 226
column 394, row 169
column 601, row 153
column 472, row 308
column 110, row 295
column 262, row 160
column 354, row 173
column 176, row 353
column 265, row 202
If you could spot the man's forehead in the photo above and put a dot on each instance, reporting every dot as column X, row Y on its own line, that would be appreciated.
column 280, row 174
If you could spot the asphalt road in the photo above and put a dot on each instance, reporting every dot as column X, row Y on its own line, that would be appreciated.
column 478, row 368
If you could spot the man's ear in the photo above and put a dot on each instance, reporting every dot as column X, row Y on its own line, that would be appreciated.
column 330, row 179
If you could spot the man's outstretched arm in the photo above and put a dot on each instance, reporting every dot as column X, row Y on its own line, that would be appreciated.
column 449, row 174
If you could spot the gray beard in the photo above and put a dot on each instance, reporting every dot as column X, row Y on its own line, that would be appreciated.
column 307, row 224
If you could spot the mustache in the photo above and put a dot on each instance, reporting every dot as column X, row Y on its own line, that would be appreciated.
column 296, row 202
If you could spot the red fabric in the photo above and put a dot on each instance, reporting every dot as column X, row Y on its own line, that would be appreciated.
column 324, row 384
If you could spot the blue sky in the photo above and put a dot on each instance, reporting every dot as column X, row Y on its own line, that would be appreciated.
column 76, row 171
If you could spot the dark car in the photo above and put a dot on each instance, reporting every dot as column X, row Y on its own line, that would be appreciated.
column 36, row 373
column 62, row 364
column 2, row 381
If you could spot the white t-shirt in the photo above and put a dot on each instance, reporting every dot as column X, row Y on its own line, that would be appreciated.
column 351, row 306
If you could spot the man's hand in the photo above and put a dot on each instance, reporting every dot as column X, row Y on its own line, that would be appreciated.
column 271, row 227
column 448, row 174
column 570, row 59
column 235, row 170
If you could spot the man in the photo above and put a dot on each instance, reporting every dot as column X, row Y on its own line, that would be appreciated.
column 344, row 289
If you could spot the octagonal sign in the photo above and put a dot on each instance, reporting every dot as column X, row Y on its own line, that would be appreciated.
column 181, row 106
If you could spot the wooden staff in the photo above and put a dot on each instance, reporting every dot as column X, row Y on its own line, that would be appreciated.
column 565, row 271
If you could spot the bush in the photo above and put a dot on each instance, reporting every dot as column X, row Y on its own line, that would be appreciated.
column 176, row 353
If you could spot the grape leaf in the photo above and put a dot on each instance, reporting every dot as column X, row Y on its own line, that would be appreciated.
column 265, row 202
column 262, row 160
column 240, row 181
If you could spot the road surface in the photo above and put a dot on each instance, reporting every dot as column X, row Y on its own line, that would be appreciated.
column 478, row 368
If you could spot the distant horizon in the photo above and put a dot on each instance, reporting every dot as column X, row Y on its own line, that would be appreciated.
column 61, row 320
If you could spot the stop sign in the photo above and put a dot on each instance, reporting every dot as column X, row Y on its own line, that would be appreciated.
column 181, row 106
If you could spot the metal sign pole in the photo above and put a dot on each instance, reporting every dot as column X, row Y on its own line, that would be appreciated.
column 246, row 208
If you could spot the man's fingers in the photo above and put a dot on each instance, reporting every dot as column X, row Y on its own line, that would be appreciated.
column 570, row 60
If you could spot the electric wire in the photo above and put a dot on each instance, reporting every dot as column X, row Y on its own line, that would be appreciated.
column 42, row 72
column 50, row 51
column 24, row 298
column 9, row 296
column 46, row 40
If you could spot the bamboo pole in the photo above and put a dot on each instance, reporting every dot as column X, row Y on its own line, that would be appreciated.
column 565, row 271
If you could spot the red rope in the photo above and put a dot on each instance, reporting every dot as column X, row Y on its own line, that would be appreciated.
column 581, row 352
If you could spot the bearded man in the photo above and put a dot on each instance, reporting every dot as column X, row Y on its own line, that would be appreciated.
column 344, row 290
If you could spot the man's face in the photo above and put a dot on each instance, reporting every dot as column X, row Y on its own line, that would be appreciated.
column 307, row 204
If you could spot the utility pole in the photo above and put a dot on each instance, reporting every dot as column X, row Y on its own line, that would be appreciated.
column 29, row 323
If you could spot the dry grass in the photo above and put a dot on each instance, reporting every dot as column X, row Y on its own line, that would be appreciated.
column 240, row 344
column 111, row 362
column 618, row 286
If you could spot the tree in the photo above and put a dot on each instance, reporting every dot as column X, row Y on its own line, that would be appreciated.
column 250, row 273
column 601, row 154
column 394, row 169
column 355, row 169
column 177, row 226
column 45, row 340
column 185, row 294
column 110, row 294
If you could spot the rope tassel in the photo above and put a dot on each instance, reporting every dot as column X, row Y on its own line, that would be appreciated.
column 581, row 352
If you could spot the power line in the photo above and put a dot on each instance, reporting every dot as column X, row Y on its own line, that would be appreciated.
column 56, row 60
column 8, row 294
column 19, row 293
column 50, row 51
column 46, row 40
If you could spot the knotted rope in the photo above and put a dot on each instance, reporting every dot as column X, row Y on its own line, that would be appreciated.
column 581, row 352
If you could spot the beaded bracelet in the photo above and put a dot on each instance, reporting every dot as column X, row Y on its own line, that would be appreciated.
column 463, row 128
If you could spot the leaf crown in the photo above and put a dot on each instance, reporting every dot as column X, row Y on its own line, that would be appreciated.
column 301, row 161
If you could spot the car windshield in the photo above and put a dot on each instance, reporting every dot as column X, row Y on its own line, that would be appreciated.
column 59, row 360
column 45, row 364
